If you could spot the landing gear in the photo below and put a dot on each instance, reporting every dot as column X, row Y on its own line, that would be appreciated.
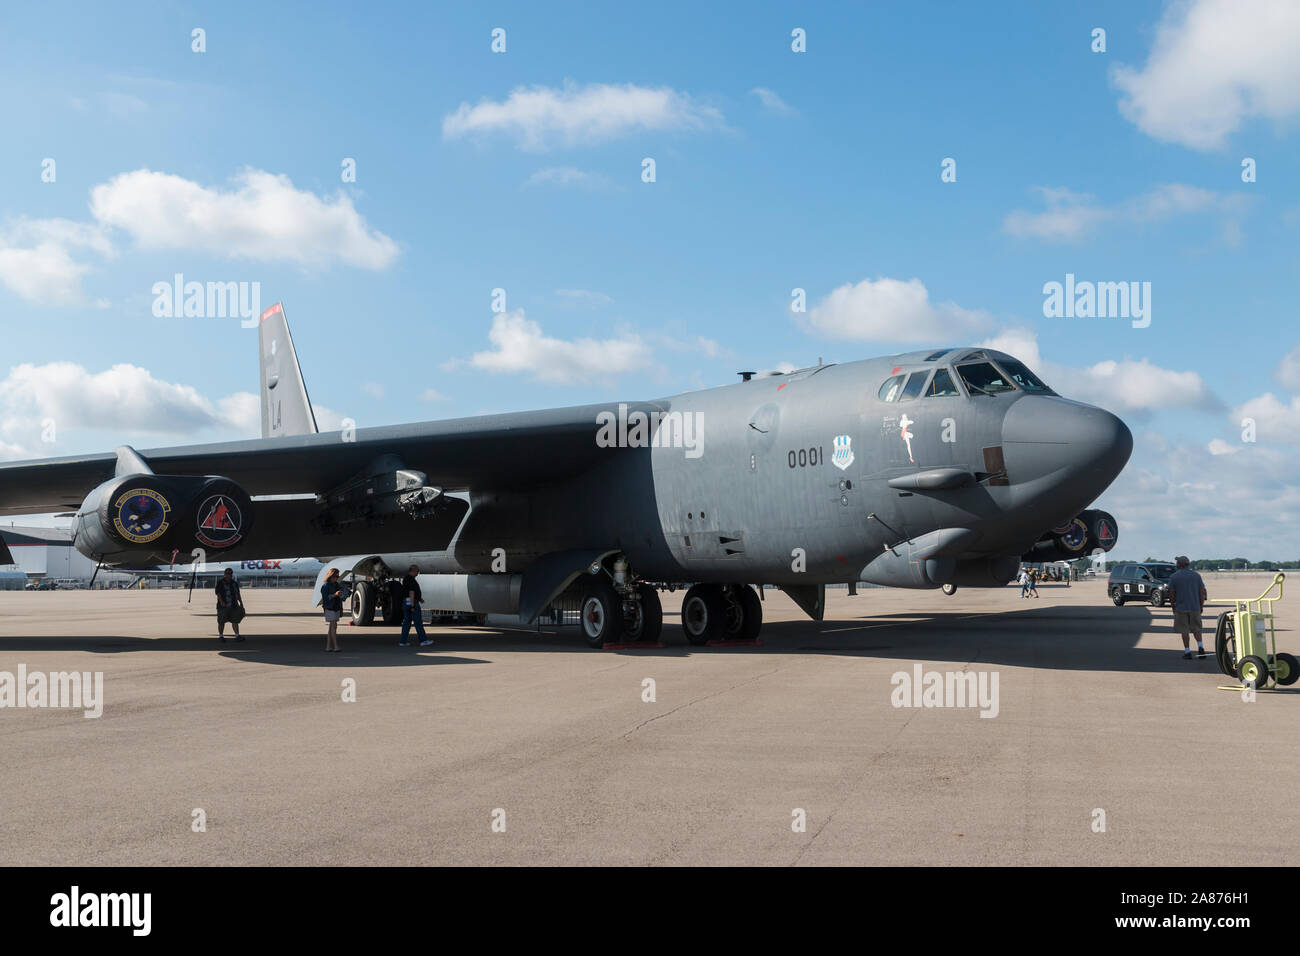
column 600, row 612
column 643, row 619
column 721, row 612
column 391, row 609
column 363, row 603
column 703, row 613
column 949, row 589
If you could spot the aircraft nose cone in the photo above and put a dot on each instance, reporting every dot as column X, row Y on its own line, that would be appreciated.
column 1085, row 445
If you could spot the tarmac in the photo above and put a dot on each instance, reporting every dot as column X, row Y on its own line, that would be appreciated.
column 513, row 746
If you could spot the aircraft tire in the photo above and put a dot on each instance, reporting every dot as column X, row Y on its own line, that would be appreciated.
column 752, row 613
column 704, row 614
column 391, row 609
column 363, row 604
column 649, row 621
column 600, row 613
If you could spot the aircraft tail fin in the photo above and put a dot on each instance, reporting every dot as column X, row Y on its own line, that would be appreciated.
column 286, row 408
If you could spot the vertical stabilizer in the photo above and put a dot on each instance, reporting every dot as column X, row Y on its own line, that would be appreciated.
column 286, row 409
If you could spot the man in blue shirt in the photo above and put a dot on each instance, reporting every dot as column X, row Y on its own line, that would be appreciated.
column 1187, row 595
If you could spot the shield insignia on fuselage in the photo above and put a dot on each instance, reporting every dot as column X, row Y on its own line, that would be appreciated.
column 842, row 456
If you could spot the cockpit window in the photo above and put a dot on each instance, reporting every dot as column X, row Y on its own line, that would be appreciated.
column 889, row 391
column 914, row 387
column 982, row 377
column 934, row 356
column 942, row 384
column 1022, row 376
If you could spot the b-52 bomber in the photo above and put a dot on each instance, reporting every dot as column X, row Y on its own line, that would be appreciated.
column 943, row 468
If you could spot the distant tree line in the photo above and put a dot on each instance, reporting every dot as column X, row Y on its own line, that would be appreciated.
column 1220, row 564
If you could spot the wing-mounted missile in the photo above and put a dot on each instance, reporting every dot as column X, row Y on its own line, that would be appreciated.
column 139, row 516
column 384, row 489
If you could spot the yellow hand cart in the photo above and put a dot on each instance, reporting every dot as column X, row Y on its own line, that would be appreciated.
column 1245, row 642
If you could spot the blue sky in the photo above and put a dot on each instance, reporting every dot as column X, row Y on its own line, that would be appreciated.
column 774, row 170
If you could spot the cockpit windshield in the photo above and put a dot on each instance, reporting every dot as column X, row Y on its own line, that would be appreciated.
column 983, row 377
column 1022, row 376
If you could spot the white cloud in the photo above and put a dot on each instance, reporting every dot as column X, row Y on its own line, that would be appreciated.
column 263, row 217
column 1069, row 216
column 1288, row 370
column 540, row 117
column 1213, row 65
column 328, row 420
column 771, row 101
column 1124, row 385
column 432, row 395
column 374, row 390
column 1276, row 421
column 1218, row 446
column 1173, row 498
column 74, row 399
column 36, row 258
column 519, row 345
column 890, row 310
column 569, row 176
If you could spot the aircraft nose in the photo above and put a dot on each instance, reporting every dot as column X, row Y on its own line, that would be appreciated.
column 1085, row 446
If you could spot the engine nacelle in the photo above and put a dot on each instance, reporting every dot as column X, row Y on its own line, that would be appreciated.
column 147, row 518
column 1091, row 531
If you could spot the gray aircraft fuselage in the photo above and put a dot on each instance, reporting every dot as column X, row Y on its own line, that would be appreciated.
column 764, row 496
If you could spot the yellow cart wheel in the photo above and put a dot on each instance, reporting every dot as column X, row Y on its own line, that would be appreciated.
column 1288, row 669
column 1253, row 668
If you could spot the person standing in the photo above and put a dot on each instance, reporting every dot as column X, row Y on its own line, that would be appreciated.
column 331, row 601
column 411, row 613
column 1187, row 595
column 1023, row 581
column 230, row 605
column 1033, row 581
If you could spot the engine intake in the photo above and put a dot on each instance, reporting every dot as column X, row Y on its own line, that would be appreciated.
column 146, row 517
column 1091, row 531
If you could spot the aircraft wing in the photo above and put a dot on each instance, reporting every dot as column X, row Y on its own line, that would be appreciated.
column 498, row 452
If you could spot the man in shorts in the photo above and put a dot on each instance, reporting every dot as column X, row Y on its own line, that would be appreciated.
column 1187, row 596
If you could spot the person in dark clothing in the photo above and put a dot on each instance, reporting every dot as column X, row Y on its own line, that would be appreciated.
column 230, row 605
column 331, row 601
column 411, row 601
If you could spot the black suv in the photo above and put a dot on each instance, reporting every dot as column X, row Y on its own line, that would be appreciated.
column 1148, row 582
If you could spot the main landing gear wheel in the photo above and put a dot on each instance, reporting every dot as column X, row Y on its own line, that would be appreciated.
column 1117, row 596
column 600, row 613
column 751, row 610
column 949, row 589
column 645, row 622
column 704, row 614
column 391, row 609
column 1225, row 645
column 363, row 603
column 1253, row 668
column 716, row 612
